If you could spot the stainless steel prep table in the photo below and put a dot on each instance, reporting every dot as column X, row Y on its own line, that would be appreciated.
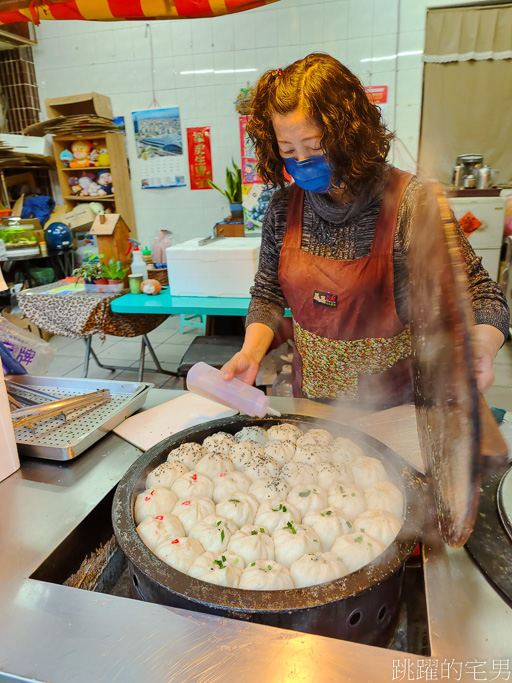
column 54, row 633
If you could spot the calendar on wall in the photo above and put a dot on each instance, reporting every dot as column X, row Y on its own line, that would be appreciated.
column 159, row 144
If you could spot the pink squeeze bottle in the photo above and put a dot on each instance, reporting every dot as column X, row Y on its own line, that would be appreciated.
column 209, row 382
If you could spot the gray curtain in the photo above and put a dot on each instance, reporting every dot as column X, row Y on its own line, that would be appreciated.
column 467, row 90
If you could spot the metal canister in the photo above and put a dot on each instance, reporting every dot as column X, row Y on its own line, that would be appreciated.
column 470, row 182
column 484, row 178
column 135, row 282
column 457, row 176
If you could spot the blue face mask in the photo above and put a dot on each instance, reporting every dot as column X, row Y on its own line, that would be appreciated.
column 311, row 174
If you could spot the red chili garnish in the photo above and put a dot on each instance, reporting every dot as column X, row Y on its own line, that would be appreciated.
column 176, row 540
column 194, row 477
column 159, row 517
column 186, row 502
column 153, row 492
column 224, row 474
column 147, row 498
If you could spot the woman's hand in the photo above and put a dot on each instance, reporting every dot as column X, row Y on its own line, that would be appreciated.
column 487, row 341
column 242, row 366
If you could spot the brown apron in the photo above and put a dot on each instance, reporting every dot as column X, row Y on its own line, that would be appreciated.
column 350, row 342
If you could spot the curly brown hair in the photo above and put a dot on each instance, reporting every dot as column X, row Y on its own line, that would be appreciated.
column 354, row 136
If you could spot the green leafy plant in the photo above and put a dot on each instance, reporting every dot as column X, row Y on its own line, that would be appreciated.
column 233, row 191
column 115, row 270
column 90, row 269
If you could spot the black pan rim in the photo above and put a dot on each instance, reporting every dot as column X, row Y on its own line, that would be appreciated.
column 245, row 601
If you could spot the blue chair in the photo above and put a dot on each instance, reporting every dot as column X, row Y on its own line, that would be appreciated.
column 190, row 321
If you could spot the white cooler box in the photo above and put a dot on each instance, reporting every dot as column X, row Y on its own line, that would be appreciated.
column 224, row 267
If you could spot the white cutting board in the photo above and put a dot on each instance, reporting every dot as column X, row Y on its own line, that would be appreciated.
column 149, row 427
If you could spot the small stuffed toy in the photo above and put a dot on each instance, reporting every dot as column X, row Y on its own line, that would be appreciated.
column 93, row 156
column 150, row 287
column 94, row 189
column 97, row 207
column 81, row 150
column 73, row 185
column 84, row 183
column 105, row 180
column 103, row 157
column 66, row 157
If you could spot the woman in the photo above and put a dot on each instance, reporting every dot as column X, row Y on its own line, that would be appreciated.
column 334, row 243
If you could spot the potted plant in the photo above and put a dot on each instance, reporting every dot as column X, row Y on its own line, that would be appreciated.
column 115, row 272
column 233, row 191
column 90, row 271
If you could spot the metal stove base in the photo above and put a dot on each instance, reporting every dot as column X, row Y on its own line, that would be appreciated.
column 489, row 544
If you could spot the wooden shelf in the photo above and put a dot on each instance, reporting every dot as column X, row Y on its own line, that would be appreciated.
column 104, row 198
column 85, row 136
column 84, row 168
column 120, row 203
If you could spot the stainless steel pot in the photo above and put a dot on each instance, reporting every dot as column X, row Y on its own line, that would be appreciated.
column 361, row 607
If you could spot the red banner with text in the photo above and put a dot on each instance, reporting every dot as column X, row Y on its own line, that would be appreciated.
column 199, row 157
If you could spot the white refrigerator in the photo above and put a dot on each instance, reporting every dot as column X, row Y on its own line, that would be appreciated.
column 487, row 239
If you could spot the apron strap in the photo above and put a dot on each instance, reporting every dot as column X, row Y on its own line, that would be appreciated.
column 293, row 234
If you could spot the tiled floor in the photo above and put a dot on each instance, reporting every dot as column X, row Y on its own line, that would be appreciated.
column 170, row 346
column 168, row 343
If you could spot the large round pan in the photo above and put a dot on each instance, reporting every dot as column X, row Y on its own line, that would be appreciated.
column 362, row 606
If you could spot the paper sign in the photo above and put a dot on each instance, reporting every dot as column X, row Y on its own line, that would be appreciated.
column 199, row 157
column 249, row 160
column 378, row 94
column 252, row 197
column 469, row 223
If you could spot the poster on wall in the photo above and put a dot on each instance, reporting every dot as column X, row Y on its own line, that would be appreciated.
column 119, row 122
column 199, row 157
column 159, row 144
column 256, row 195
column 249, row 160
column 378, row 94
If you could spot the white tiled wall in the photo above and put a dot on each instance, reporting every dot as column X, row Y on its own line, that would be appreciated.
column 373, row 37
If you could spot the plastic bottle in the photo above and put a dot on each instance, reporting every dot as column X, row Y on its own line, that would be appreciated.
column 138, row 265
column 282, row 385
column 146, row 255
column 158, row 249
column 209, row 382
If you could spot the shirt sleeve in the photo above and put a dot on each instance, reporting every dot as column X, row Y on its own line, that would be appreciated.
column 488, row 301
column 267, row 300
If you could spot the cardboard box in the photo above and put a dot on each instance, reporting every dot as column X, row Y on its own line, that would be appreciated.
column 88, row 103
column 25, row 324
column 224, row 267
column 27, row 144
column 80, row 219
column 56, row 215
column 230, row 230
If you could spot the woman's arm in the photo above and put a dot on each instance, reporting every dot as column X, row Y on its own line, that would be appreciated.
column 267, row 303
column 490, row 311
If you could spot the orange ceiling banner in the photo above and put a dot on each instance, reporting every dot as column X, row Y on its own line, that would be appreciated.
column 115, row 10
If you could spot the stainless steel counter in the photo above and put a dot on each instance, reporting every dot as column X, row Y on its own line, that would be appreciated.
column 64, row 635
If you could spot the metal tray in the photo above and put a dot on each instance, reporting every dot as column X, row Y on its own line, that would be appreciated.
column 54, row 439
